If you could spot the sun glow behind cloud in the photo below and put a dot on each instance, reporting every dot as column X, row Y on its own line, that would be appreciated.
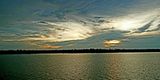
column 110, row 43
column 125, row 25
column 46, row 46
column 133, row 22
column 64, row 31
column 79, row 23
column 75, row 30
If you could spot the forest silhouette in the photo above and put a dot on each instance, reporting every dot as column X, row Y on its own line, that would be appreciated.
column 76, row 51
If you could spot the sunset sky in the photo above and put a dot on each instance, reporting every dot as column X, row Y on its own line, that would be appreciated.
column 69, row 24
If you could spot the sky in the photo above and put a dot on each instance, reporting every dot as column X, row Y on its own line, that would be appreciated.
column 77, row 24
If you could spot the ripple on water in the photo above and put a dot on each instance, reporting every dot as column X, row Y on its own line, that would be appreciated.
column 81, row 67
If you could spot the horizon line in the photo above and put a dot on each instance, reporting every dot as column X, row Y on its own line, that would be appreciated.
column 91, row 50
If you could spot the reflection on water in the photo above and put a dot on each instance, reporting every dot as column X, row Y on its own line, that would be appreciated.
column 80, row 67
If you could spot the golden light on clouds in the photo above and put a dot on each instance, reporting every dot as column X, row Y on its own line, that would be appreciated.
column 133, row 22
column 43, row 36
column 127, row 25
column 46, row 46
column 144, row 24
column 110, row 43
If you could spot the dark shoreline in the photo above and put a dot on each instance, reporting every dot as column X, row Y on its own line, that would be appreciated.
column 76, row 51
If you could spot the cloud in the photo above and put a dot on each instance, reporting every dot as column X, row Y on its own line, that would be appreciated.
column 143, row 33
column 53, row 21
column 111, row 43
column 80, row 28
column 63, row 31
column 46, row 46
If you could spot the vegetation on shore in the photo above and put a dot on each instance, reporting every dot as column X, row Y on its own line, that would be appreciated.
column 76, row 51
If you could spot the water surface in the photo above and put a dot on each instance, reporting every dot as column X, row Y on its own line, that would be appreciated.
column 100, row 66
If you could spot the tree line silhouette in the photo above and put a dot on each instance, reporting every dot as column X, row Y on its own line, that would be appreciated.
column 76, row 51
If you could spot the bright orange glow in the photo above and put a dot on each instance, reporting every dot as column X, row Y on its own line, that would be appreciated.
column 50, row 46
column 110, row 43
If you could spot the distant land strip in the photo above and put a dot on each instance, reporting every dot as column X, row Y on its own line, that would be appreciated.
column 76, row 51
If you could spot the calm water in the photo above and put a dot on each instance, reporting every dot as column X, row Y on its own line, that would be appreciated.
column 81, row 67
